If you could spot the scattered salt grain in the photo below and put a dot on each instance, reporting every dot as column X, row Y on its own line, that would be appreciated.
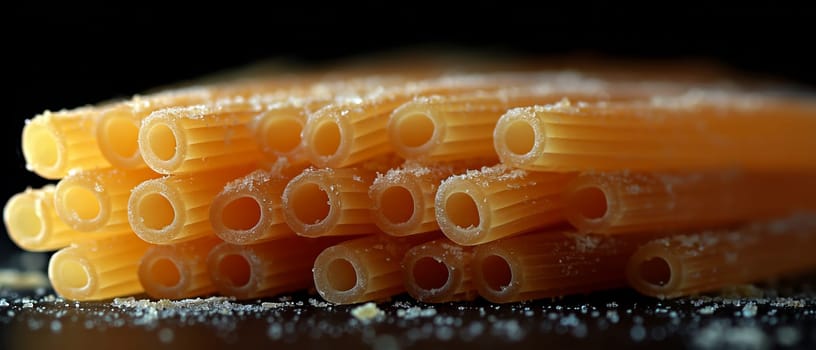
column 367, row 312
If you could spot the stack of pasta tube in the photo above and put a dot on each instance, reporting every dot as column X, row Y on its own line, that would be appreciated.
column 448, row 186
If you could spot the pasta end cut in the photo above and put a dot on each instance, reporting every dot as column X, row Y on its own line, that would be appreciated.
column 118, row 137
column 413, row 132
column 161, row 276
column 652, row 273
column 43, row 150
column 587, row 207
column 154, row 215
column 309, row 208
column 338, row 276
column 71, row 276
column 460, row 215
column 494, row 276
column 517, row 140
column 398, row 208
column 82, row 208
column 162, row 145
column 280, row 135
column 25, row 223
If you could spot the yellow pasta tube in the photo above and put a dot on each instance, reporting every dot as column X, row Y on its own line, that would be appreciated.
column 362, row 269
column 55, row 143
column 176, row 208
column 97, row 200
column 33, row 224
column 329, row 202
column 690, row 132
column 710, row 260
column 177, row 271
column 98, row 269
column 265, row 269
column 439, row 271
column 496, row 202
column 638, row 202
column 551, row 264
column 277, row 129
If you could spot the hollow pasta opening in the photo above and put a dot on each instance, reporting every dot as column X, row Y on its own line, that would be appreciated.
column 589, row 202
column 120, row 135
column 236, row 269
column 82, row 202
column 165, row 272
column 310, row 203
column 429, row 273
column 241, row 214
column 74, row 274
column 162, row 141
column 41, row 144
column 24, row 217
column 326, row 138
column 461, row 210
column 397, row 204
column 496, row 272
column 519, row 137
column 341, row 275
column 415, row 129
column 282, row 134
column 655, row 271
column 156, row 211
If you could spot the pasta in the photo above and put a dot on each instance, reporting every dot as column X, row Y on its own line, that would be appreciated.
column 496, row 202
column 97, row 200
column 439, row 271
column 266, row 269
column 638, row 202
column 687, row 264
column 362, row 269
column 98, row 269
column 696, row 131
column 551, row 264
column 32, row 222
column 177, row 271
column 56, row 143
column 277, row 129
column 176, row 208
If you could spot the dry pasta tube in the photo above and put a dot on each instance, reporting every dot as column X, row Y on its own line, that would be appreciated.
column 177, row 271
column 639, row 202
column 33, row 224
column 248, row 210
column 404, row 197
column 266, row 269
column 496, row 202
column 55, row 143
column 329, row 202
column 173, row 209
column 551, row 264
column 98, row 269
column 691, row 132
column 439, row 271
column 362, row 269
column 97, row 200
column 707, row 261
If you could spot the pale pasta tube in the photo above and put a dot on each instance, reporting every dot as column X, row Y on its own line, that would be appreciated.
column 690, row 132
column 439, row 271
column 33, row 224
column 176, row 208
column 551, row 264
column 637, row 202
column 496, row 202
column 55, row 143
column 362, row 269
column 710, row 260
column 177, row 271
column 98, row 269
column 97, row 200
column 265, row 269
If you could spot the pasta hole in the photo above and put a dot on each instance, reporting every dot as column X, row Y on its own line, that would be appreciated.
column 430, row 274
column 41, row 146
column 397, row 204
column 326, row 138
column 82, row 202
column 74, row 275
column 165, row 272
column 496, row 272
column 462, row 211
column 415, row 129
column 24, row 218
column 162, row 141
column 236, row 269
column 310, row 203
column 156, row 211
column 241, row 214
column 519, row 137
column 121, row 136
column 341, row 275
column 283, row 134
column 655, row 271
column 590, row 202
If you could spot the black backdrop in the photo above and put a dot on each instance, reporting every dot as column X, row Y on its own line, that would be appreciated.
column 64, row 56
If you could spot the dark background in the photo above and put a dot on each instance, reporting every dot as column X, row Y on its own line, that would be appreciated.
column 63, row 56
